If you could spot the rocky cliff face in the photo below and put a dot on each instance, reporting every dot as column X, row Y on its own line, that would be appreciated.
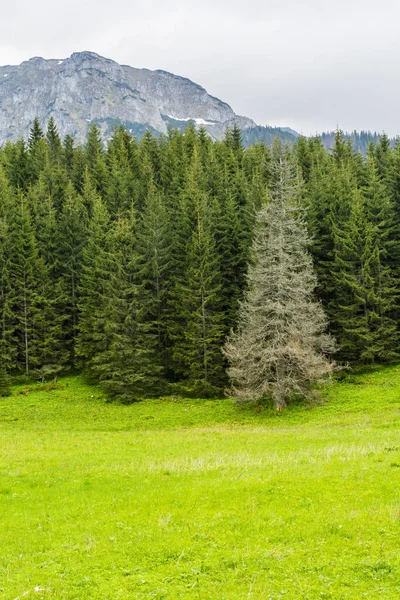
column 87, row 88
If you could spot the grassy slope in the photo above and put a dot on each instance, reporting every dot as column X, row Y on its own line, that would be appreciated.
column 201, row 499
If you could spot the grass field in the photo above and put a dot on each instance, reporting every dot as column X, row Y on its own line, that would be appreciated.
column 201, row 499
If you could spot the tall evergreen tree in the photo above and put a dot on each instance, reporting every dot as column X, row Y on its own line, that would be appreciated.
column 122, row 187
column 154, row 262
column 279, row 343
column 127, row 365
column 53, row 141
column 95, row 161
column 328, row 196
column 35, row 133
column 68, row 151
column 53, row 352
column 198, row 350
column 17, row 165
column 71, row 241
column 366, row 286
column 24, row 272
column 5, row 348
column 94, row 288
column 37, row 155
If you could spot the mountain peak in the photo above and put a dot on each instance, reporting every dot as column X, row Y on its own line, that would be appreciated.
column 88, row 88
column 87, row 55
column 36, row 59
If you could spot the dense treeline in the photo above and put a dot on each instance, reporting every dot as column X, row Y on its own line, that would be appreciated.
column 129, row 262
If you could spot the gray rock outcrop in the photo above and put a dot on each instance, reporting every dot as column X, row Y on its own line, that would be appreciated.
column 87, row 88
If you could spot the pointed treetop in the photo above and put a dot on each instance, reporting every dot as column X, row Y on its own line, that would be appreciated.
column 52, row 136
column 35, row 133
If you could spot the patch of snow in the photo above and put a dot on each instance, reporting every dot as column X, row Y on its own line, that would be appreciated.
column 196, row 120
column 88, row 120
column 6, row 75
column 60, row 62
column 203, row 122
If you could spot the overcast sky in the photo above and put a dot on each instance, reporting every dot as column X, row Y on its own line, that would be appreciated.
column 311, row 65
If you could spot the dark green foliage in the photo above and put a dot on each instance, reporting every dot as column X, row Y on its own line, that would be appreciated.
column 23, row 276
column 94, row 159
column 197, row 347
column 71, row 242
column 122, row 187
column 35, row 133
column 53, row 141
column 16, row 160
column 154, row 265
column 68, row 154
column 52, row 314
column 128, row 364
column 366, row 283
column 129, row 260
column 94, row 287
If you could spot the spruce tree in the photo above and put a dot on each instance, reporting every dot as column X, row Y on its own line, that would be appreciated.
column 122, row 186
column 68, row 152
column 278, row 347
column 35, row 133
column 24, row 272
column 94, row 288
column 328, row 196
column 17, row 164
column 71, row 241
column 7, row 345
column 127, row 365
column 53, row 141
column 95, row 162
column 232, row 248
column 53, row 353
column 233, row 139
column 154, row 263
column 366, row 287
column 37, row 152
column 198, row 350
column 78, row 169
column 5, row 348
column 172, row 172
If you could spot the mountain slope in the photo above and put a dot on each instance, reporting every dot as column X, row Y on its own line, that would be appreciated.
column 87, row 88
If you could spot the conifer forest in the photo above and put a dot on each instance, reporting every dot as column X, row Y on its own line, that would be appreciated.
column 129, row 261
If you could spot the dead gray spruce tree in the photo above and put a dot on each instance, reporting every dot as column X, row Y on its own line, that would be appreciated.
column 279, row 348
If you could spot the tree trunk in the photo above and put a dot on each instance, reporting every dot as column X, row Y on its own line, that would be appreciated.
column 26, row 334
column 280, row 391
column 203, row 322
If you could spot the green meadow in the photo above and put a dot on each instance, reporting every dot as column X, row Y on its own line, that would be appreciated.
column 201, row 499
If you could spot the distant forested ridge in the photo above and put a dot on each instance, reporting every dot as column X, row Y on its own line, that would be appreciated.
column 360, row 140
column 129, row 262
column 267, row 135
